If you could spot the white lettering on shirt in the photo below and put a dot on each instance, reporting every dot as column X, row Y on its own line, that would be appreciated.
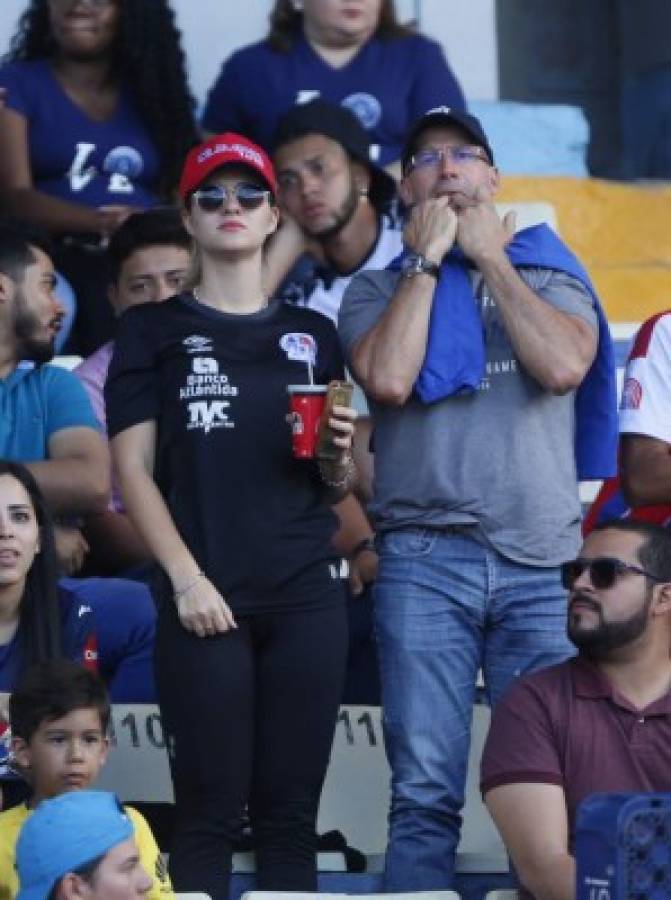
column 80, row 177
column 208, row 415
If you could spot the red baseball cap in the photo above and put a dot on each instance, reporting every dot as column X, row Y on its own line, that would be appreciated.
column 222, row 150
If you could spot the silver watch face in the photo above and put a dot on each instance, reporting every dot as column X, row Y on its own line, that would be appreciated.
column 416, row 264
column 412, row 264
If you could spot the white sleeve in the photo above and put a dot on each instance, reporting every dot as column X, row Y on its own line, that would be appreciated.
column 645, row 407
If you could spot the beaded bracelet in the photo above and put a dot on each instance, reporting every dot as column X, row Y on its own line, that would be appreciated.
column 347, row 478
column 191, row 584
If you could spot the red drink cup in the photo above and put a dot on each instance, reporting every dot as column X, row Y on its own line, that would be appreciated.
column 306, row 402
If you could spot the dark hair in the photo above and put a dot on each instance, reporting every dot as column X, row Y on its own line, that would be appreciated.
column 286, row 24
column 16, row 243
column 149, row 61
column 39, row 628
column 162, row 225
column 655, row 551
column 87, row 872
column 50, row 690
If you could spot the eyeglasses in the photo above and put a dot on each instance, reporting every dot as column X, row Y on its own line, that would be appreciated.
column 603, row 571
column 212, row 198
column 435, row 157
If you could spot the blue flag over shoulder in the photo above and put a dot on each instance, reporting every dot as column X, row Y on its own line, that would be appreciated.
column 455, row 354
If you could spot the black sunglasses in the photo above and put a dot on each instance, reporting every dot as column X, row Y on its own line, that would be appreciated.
column 212, row 198
column 603, row 571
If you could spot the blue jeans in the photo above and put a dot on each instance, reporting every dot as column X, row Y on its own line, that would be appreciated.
column 446, row 606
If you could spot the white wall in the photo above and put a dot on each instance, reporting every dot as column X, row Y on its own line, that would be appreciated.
column 467, row 31
column 212, row 28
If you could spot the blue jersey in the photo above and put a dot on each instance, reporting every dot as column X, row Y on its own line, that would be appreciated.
column 389, row 84
column 73, row 157
column 79, row 641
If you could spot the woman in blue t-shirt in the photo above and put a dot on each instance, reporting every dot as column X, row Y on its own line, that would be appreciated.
column 97, row 118
column 42, row 618
column 354, row 54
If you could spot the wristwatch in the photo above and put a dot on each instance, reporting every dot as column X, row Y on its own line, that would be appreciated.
column 367, row 543
column 416, row 264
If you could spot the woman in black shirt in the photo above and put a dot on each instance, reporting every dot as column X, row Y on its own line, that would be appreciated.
column 251, row 638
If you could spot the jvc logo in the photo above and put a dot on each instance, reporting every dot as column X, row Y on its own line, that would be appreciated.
column 208, row 415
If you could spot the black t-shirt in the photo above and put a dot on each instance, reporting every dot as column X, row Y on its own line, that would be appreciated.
column 216, row 383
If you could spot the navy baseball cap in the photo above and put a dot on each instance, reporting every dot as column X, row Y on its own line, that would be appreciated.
column 340, row 125
column 64, row 834
column 445, row 115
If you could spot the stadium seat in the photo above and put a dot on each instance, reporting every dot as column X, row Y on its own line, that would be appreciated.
column 355, row 798
column 629, row 264
column 529, row 213
column 286, row 895
column 66, row 362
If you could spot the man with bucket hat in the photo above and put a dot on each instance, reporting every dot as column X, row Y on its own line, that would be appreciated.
column 337, row 196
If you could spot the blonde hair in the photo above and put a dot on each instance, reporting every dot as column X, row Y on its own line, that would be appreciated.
column 194, row 272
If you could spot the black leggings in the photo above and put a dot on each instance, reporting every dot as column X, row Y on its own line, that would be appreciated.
column 250, row 717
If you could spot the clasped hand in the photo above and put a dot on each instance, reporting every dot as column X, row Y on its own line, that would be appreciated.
column 203, row 610
column 434, row 225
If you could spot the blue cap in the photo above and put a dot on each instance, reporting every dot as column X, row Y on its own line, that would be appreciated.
column 64, row 834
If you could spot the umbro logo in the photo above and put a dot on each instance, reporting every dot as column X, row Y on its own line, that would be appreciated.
column 197, row 343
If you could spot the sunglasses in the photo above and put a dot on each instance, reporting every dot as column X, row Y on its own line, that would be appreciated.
column 248, row 196
column 603, row 571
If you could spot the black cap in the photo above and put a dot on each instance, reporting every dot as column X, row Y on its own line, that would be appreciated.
column 340, row 125
column 443, row 115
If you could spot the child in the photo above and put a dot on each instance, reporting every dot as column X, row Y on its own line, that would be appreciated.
column 59, row 715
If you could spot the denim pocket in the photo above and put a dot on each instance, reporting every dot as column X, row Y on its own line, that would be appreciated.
column 409, row 541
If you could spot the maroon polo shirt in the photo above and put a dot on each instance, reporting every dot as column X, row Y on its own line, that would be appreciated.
column 567, row 725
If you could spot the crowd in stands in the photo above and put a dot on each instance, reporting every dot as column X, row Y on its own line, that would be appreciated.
column 161, row 542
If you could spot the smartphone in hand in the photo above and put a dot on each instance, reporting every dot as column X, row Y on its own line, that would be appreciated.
column 339, row 393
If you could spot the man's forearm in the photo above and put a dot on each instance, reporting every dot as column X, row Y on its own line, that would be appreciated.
column 388, row 359
column 553, row 879
column 556, row 349
column 72, row 486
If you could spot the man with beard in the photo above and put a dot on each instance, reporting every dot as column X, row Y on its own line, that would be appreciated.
column 599, row 722
column 340, row 202
column 338, row 198
column 47, row 421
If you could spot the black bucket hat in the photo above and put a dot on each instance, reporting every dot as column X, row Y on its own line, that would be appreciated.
column 342, row 126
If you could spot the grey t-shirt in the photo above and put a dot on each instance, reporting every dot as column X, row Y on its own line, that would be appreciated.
column 501, row 458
